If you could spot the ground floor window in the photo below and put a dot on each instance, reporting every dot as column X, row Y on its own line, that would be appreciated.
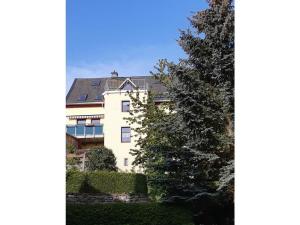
column 125, row 162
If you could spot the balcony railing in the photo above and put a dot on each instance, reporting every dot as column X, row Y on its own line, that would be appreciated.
column 85, row 131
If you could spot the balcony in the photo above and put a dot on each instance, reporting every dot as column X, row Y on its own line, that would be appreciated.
column 85, row 131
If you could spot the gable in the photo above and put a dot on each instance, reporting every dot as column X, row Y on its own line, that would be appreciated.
column 127, row 85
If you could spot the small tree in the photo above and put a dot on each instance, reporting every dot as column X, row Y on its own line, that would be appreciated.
column 101, row 158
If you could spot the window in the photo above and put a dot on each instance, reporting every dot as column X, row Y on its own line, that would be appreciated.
column 126, row 162
column 96, row 82
column 125, row 106
column 82, row 97
column 127, row 87
column 96, row 121
column 81, row 121
column 125, row 134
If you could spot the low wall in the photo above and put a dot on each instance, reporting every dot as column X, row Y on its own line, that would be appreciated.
column 78, row 198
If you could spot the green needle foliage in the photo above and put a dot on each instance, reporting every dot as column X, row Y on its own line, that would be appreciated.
column 187, row 145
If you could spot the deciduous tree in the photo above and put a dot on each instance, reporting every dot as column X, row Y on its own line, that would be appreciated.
column 101, row 158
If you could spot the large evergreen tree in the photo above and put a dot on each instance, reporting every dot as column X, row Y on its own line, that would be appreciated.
column 203, row 89
column 190, row 150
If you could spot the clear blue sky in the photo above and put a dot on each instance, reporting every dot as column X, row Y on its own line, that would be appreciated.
column 126, row 35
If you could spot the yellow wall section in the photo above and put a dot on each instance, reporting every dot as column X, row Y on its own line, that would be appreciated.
column 83, row 111
column 113, row 121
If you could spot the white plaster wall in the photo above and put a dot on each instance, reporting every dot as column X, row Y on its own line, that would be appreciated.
column 113, row 121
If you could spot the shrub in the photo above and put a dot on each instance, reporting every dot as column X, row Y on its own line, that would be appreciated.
column 71, row 148
column 101, row 158
column 129, row 214
column 106, row 182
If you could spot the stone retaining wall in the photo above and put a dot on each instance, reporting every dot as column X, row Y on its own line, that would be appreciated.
column 107, row 198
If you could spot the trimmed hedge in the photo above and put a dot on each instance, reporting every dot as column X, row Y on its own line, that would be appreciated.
column 128, row 214
column 106, row 182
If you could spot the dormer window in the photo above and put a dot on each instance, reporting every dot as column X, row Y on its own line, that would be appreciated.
column 127, row 87
column 95, row 82
column 82, row 98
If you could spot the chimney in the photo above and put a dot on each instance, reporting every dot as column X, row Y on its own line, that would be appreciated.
column 114, row 74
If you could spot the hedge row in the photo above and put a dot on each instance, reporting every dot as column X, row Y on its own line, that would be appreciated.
column 106, row 182
column 128, row 214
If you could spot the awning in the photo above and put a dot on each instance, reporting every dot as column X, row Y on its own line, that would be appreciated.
column 97, row 116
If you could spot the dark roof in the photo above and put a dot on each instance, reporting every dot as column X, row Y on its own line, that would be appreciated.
column 94, row 87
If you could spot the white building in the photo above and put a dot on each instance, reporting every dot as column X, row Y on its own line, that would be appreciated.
column 95, row 111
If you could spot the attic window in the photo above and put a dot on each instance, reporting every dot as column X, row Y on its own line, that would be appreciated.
column 82, row 97
column 127, row 86
column 96, row 82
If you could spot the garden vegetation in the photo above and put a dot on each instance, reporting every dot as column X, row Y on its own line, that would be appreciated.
column 104, row 182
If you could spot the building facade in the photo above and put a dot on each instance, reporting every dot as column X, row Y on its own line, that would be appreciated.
column 95, row 112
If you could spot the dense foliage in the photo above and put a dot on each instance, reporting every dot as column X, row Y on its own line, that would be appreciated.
column 105, row 182
column 188, row 152
column 70, row 148
column 127, row 214
column 101, row 158
column 72, row 163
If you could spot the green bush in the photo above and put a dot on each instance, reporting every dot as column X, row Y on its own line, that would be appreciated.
column 101, row 158
column 106, row 182
column 128, row 214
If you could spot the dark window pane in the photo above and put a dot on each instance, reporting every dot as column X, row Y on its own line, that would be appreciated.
column 96, row 121
column 125, row 134
column 81, row 121
column 125, row 162
column 127, row 87
column 125, row 106
column 125, row 129
column 82, row 97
